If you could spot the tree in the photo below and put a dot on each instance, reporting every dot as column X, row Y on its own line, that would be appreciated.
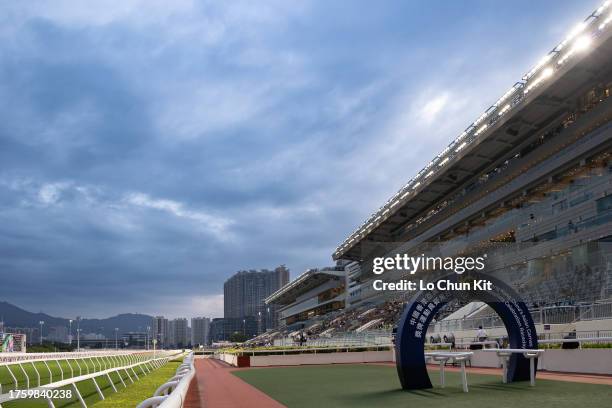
column 237, row 337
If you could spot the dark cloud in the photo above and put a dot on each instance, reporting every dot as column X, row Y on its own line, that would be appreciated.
column 149, row 150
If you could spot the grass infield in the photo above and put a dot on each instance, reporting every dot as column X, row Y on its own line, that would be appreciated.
column 378, row 386
column 125, row 397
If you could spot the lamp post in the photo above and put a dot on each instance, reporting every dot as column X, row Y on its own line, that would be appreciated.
column 259, row 322
column 78, row 319
column 116, row 331
column 148, row 330
column 41, row 331
column 70, row 332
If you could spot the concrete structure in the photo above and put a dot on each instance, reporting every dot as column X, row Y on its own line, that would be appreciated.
column 244, row 295
column 137, row 340
column 200, row 327
column 314, row 293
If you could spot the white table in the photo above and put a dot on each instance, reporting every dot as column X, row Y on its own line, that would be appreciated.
column 443, row 357
column 504, row 356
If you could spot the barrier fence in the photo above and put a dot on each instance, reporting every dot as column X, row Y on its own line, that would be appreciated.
column 9, row 357
column 32, row 381
column 172, row 393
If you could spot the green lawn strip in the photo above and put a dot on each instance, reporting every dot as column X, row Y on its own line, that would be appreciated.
column 378, row 386
column 140, row 390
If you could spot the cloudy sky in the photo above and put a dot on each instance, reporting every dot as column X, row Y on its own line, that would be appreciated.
column 149, row 149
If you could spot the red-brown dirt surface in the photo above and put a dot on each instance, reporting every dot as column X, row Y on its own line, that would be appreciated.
column 218, row 388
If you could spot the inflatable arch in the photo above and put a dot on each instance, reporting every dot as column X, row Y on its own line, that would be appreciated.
column 423, row 306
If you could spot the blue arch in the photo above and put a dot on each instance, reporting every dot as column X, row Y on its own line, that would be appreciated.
column 423, row 306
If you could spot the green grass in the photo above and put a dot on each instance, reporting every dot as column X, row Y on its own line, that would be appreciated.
column 140, row 390
column 378, row 386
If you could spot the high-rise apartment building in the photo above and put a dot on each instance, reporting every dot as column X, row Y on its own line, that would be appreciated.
column 179, row 332
column 160, row 331
column 244, row 295
column 200, row 329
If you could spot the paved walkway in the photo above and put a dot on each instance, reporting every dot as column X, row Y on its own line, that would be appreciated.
column 218, row 388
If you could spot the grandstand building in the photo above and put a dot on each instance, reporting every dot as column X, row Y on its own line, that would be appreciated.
column 529, row 181
column 315, row 293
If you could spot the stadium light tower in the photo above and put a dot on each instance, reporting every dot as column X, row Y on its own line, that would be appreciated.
column 41, row 331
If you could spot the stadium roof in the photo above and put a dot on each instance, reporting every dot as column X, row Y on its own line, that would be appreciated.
column 303, row 283
column 501, row 127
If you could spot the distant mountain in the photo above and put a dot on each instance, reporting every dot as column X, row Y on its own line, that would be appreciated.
column 16, row 317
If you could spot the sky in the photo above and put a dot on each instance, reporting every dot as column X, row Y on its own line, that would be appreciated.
column 150, row 149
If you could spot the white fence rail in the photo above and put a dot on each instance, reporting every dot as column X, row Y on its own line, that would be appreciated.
column 101, row 366
column 172, row 394
column 8, row 357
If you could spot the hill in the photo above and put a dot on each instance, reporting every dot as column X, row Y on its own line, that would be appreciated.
column 15, row 316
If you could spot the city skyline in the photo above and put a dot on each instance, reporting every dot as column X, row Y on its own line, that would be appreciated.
column 140, row 177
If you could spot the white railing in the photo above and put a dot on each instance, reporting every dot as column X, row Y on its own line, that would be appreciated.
column 172, row 393
column 90, row 364
column 127, row 364
column 8, row 357
column 596, row 336
column 543, row 315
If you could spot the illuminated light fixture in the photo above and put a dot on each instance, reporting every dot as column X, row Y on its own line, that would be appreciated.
column 405, row 194
column 577, row 30
column 546, row 73
column 461, row 146
column 504, row 110
column 582, row 43
column 481, row 118
column 605, row 22
column 539, row 65
column 506, row 95
column 416, row 185
column 482, row 129
column 429, row 174
column 602, row 8
column 461, row 136
column 443, row 162
column 386, row 211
